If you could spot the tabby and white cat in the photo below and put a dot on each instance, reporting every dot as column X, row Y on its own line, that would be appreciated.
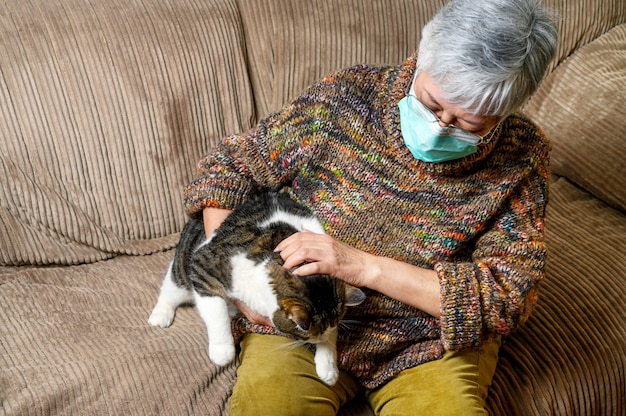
column 239, row 262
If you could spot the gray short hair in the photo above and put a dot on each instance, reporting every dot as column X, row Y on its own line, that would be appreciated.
column 488, row 56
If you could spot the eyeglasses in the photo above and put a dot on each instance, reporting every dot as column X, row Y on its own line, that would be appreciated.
column 450, row 129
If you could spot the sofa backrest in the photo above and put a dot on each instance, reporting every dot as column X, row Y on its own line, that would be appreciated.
column 580, row 105
column 106, row 106
column 292, row 42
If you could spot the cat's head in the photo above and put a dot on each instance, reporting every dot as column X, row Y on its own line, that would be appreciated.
column 320, row 304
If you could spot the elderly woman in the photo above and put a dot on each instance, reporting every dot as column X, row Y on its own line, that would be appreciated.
column 432, row 192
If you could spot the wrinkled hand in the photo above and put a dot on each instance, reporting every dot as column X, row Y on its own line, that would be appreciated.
column 308, row 253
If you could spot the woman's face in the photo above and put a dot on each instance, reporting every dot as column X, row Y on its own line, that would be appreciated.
column 448, row 114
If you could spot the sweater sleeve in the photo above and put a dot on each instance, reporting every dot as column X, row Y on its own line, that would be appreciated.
column 496, row 292
column 266, row 157
column 272, row 154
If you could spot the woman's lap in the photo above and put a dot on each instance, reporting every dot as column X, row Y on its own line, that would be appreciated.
column 277, row 377
column 456, row 384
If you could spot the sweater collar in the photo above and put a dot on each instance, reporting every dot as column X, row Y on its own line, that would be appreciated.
column 399, row 85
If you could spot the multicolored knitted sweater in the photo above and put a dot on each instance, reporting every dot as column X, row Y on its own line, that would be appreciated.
column 478, row 221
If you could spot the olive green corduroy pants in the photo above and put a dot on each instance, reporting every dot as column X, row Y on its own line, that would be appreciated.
column 277, row 377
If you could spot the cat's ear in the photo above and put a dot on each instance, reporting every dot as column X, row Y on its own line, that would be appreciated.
column 354, row 295
column 297, row 311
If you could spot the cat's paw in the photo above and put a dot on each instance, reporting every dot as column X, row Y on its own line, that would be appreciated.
column 327, row 372
column 326, row 360
column 221, row 354
column 326, row 365
column 162, row 315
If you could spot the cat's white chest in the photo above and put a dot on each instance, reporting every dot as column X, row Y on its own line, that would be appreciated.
column 251, row 285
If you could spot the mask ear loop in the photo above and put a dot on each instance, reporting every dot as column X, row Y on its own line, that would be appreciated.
column 411, row 90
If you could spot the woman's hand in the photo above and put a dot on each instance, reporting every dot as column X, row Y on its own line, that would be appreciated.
column 212, row 218
column 321, row 254
column 307, row 253
column 252, row 316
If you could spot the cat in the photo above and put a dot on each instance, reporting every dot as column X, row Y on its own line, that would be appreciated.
column 238, row 262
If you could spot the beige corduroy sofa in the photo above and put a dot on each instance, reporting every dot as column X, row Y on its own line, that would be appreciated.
column 105, row 106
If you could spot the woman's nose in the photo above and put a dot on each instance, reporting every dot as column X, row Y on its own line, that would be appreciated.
column 445, row 119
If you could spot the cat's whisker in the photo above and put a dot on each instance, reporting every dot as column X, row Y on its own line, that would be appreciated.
column 292, row 345
column 348, row 325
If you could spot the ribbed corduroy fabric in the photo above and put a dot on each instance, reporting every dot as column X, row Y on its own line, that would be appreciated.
column 75, row 341
column 570, row 356
column 582, row 21
column 300, row 41
column 336, row 34
column 107, row 105
column 580, row 117
column 105, row 108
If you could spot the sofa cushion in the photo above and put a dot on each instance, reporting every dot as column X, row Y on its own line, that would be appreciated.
column 106, row 106
column 94, row 353
column 301, row 41
column 581, row 106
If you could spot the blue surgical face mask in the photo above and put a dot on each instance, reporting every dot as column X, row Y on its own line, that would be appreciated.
column 425, row 137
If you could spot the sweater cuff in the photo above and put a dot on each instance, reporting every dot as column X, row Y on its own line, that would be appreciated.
column 461, row 313
column 210, row 192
